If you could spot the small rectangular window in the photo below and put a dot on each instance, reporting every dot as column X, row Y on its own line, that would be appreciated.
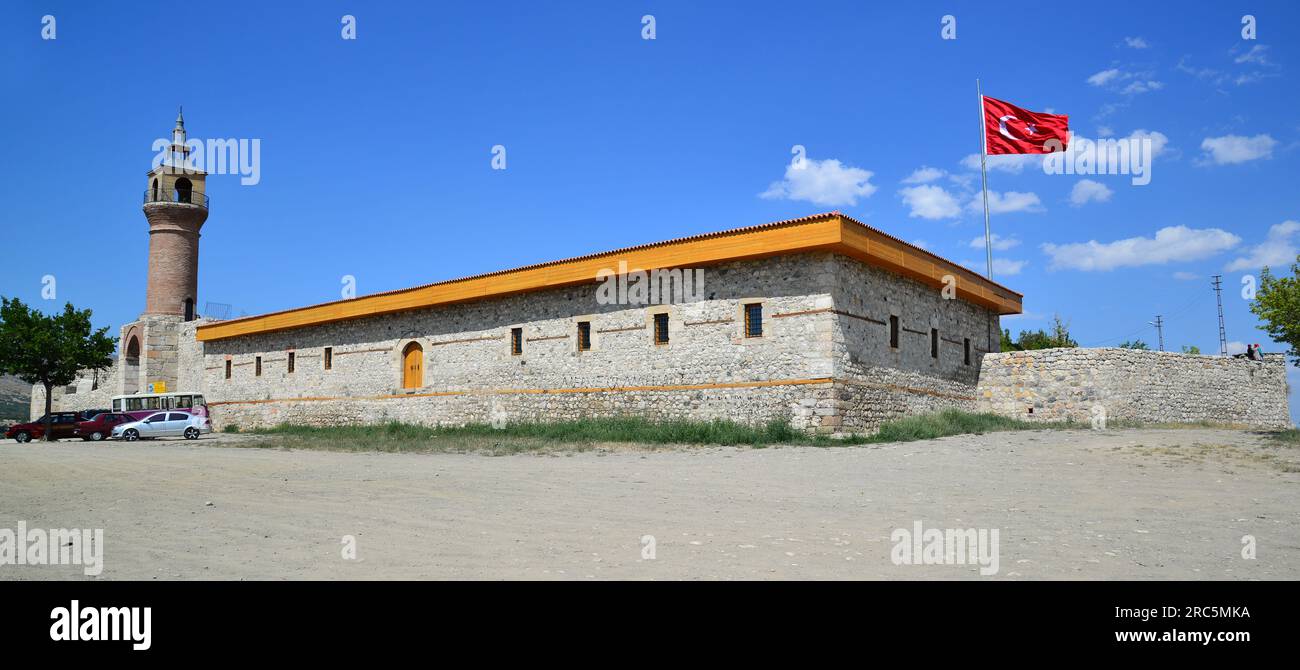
column 72, row 388
column 893, row 332
column 290, row 362
column 934, row 343
column 584, row 336
column 754, row 320
column 329, row 358
column 966, row 346
column 227, row 368
column 661, row 328
column 258, row 371
column 516, row 341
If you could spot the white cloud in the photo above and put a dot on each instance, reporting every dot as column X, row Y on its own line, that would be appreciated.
column 962, row 180
column 1012, row 163
column 1105, row 131
column 1236, row 347
column 827, row 182
column 1087, row 190
column 999, row 243
column 924, row 175
column 1110, row 108
column 1186, row 276
column 1138, row 82
column 921, row 243
column 1252, row 77
column 1279, row 248
column 1158, row 139
column 1105, row 77
column 1135, row 42
column 1255, row 55
column 929, row 201
column 1231, row 149
column 1006, row 203
column 1142, row 86
column 1172, row 243
column 1002, row 267
column 1207, row 73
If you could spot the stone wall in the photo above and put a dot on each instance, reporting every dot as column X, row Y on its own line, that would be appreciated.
column 818, row 360
column 91, row 390
column 707, row 369
column 876, row 382
column 169, row 353
column 189, row 358
column 1136, row 385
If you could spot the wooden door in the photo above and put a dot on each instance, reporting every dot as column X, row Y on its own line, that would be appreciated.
column 413, row 366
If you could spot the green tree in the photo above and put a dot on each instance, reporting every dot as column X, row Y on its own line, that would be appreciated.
column 1191, row 349
column 1135, row 344
column 50, row 350
column 1277, row 304
column 1057, row 336
column 1007, row 344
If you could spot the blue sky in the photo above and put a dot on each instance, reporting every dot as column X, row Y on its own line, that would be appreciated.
column 376, row 152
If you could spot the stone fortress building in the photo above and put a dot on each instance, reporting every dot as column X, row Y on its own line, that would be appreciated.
column 821, row 321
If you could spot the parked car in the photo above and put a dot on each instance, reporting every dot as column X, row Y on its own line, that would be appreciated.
column 88, row 414
column 164, row 424
column 62, row 425
column 101, row 426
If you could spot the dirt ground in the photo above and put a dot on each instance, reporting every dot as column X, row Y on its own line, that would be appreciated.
column 1121, row 504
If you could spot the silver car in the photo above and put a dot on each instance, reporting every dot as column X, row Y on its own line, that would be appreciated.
column 164, row 424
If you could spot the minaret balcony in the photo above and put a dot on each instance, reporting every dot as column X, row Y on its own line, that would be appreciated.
column 176, row 196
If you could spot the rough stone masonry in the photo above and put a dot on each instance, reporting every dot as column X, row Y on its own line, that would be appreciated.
column 1136, row 385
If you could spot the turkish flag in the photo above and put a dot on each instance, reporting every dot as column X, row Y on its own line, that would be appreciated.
column 1008, row 129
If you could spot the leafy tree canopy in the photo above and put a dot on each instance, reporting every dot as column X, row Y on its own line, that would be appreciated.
column 1057, row 336
column 50, row 350
column 1277, row 304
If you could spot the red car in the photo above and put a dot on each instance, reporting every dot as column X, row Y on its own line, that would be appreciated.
column 61, row 425
column 101, row 426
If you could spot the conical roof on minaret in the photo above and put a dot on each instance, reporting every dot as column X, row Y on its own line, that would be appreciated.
column 169, row 162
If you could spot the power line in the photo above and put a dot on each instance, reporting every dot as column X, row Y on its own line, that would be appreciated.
column 1160, row 331
column 1218, row 296
column 1183, row 309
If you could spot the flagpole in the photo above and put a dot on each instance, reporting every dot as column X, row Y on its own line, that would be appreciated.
column 984, row 180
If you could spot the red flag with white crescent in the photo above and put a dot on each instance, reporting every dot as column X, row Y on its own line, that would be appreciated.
column 1009, row 129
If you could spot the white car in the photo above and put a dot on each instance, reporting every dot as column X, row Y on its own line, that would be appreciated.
column 164, row 424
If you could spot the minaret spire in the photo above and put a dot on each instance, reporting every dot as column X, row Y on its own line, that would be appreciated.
column 178, row 149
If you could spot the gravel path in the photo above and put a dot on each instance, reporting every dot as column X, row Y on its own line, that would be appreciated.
column 1122, row 504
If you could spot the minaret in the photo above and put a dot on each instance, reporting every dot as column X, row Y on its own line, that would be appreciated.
column 176, row 207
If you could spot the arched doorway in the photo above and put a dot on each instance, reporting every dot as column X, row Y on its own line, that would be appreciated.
column 413, row 366
column 183, row 189
column 189, row 309
column 153, row 197
column 132, row 371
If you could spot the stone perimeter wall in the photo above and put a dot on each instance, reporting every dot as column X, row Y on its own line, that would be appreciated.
column 1136, row 385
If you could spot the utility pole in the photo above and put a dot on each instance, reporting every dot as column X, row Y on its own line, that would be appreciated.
column 1160, row 331
column 1218, row 297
